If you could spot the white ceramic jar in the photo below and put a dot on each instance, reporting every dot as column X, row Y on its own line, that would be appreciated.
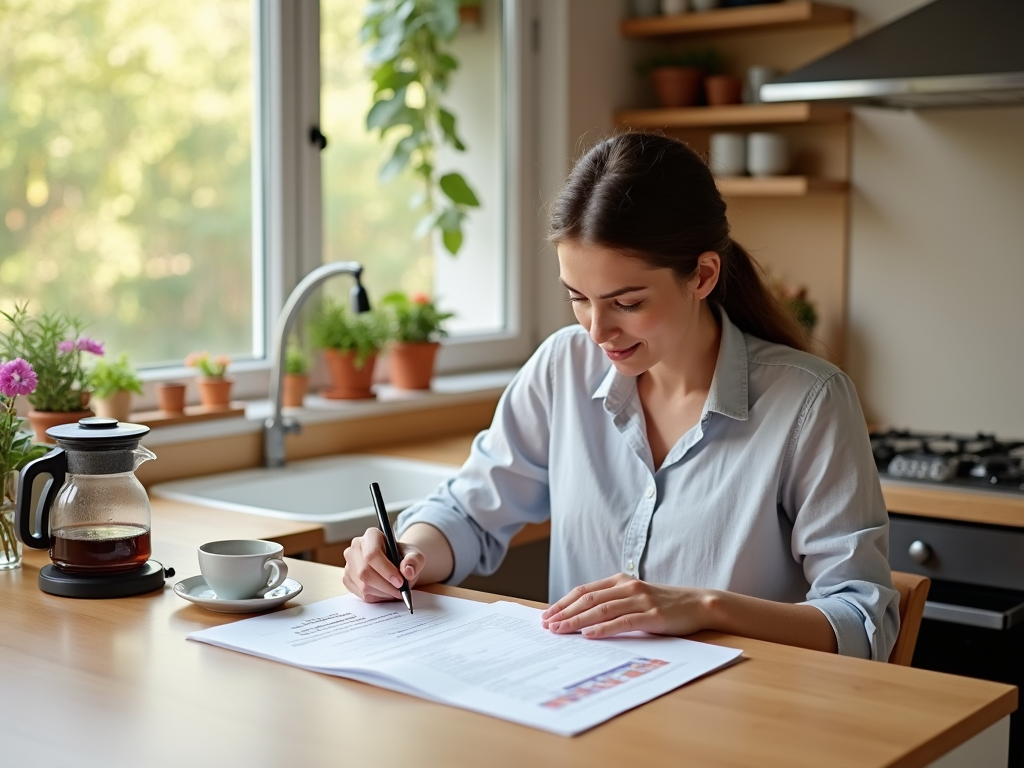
column 728, row 154
column 767, row 154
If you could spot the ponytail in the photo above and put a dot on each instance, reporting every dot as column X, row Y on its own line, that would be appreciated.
column 653, row 198
column 744, row 295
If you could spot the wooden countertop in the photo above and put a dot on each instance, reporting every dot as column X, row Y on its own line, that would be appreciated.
column 115, row 683
column 989, row 507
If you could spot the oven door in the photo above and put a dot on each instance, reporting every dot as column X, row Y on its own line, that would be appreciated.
column 985, row 607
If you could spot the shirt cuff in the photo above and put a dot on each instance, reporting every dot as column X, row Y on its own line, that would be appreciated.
column 848, row 624
column 465, row 545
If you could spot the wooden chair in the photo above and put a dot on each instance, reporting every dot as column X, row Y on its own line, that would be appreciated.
column 913, row 591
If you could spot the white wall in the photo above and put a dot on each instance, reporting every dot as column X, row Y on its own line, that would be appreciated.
column 936, row 277
column 937, row 262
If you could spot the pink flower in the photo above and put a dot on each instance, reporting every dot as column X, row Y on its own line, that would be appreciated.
column 88, row 345
column 68, row 345
column 419, row 298
column 17, row 378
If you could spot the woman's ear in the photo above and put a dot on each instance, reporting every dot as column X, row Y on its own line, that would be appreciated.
column 705, row 278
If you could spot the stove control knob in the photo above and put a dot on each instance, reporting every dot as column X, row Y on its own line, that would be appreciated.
column 919, row 552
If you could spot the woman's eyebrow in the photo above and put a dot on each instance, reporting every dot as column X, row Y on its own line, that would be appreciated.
column 611, row 295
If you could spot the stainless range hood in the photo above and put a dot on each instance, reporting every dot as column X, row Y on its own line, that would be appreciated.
column 949, row 53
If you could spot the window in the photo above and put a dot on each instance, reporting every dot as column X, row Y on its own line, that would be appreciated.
column 125, row 183
column 157, row 176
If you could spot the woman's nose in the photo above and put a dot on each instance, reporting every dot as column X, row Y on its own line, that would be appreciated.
column 602, row 327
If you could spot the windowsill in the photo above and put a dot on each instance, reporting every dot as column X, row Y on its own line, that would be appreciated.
column 444, row 391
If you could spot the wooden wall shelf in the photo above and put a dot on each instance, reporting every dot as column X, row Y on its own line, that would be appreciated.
column 778, row 186
column 792, row 13
column 793, row 112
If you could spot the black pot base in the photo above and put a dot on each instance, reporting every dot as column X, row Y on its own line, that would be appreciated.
column 148, row 578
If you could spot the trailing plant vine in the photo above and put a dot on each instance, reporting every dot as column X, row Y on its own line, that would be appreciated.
column 411, row 70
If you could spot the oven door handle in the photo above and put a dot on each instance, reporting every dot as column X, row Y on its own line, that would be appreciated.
column 973, row 617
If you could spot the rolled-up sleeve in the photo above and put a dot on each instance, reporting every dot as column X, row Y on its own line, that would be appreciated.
column 832, row 495
column 504, row 483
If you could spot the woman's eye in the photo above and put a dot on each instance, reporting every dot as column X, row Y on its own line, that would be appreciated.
column 629, row 307
column 574, row 299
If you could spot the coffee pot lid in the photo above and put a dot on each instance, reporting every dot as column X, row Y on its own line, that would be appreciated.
column 98, row 433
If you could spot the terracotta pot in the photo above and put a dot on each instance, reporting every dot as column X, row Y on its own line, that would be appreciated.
column 347, row 381
column 677, row 86
column 215, row 393
column 117, row 406
column 411, row 366
column 171, row 397
column 294, row 390
column 722, row 89
column 43, row 420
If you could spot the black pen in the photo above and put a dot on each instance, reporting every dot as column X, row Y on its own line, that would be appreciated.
column 390, row 545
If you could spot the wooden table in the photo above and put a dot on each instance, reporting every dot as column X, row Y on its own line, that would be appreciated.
column 115, row 683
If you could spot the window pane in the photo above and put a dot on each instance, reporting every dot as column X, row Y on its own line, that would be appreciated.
column 125, row 170
column 373, row 223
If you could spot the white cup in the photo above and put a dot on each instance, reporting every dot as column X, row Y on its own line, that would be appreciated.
column 767, row 154
column 700, row 6
column 673, row 7
column 728, row 154
column 239, row 569
column 756, row 77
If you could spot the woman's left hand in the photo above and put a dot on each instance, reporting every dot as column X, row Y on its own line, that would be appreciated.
column 622, row 603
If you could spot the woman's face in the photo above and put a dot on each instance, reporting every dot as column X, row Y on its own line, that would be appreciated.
column 639, row 316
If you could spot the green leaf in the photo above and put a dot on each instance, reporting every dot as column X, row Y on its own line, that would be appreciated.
column 427, row 223
column 384, row 111
column 387, row 48
column 447, row 122
column 457, row 190
column 452, row 239
column 395, row 165
column 444, row 21
column 446, row 63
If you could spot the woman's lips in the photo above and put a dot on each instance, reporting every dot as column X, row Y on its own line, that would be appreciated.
column 617, row 355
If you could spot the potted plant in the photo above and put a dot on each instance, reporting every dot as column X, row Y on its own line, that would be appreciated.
column 677, row 77
column 296, row 375
column 411, row 69
column 350, row 342
column 112, row 385
column 52, row 345
column 16, row 450
column 214, row 384
column 415, row 327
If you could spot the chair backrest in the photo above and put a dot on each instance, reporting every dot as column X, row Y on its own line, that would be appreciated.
column 913, row 591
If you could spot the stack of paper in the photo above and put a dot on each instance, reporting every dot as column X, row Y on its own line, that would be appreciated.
column 491, row 658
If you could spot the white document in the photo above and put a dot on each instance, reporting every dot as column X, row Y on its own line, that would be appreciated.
column 491, row 658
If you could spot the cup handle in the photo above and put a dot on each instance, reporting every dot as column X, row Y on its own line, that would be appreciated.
column 280, row 569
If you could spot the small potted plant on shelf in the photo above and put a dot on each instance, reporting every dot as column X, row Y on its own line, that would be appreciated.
column 415, row 327
column 677, row 76
column 296, row 375
column 214, row 383
column 16, row 450
column 53, row 345
column 350, row 342
column 112, row 385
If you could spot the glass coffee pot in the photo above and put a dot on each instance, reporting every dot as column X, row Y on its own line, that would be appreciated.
column 93, row 514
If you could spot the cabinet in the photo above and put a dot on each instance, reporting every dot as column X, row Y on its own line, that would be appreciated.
column 795, row 225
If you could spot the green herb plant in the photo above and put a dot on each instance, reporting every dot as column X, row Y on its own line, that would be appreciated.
column 410, row 71
column 334, row 326
column 415, row 319
column 296, row 361
column 52, row 344
column 107, row 378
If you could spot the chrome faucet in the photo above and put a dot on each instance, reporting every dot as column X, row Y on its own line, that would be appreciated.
column 277, row 426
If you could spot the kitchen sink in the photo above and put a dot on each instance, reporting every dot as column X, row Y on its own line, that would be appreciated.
column 332, row 492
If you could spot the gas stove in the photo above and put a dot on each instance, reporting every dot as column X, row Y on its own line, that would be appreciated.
column 980, row 461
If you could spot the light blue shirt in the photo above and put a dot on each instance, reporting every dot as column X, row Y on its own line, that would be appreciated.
column 773, row 493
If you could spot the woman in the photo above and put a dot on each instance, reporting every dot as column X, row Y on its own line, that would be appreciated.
column 699, row 469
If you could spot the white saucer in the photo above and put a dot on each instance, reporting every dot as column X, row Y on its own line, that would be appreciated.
column 196, row 590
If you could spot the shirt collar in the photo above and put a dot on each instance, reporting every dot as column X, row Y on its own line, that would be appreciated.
column 728, row 393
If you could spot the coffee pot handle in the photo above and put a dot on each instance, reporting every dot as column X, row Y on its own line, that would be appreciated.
column 54, row 464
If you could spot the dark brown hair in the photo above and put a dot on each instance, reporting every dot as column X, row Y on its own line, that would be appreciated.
column 653, row 198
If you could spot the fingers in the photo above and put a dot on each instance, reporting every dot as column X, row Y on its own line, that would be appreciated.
column 412, row 563
column 368, row 572
column 579, row 593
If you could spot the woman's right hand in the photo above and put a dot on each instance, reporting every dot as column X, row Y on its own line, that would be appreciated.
column 370, row 575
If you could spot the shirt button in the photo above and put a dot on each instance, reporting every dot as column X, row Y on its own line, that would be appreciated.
column 650, row 492
column 629, row 567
